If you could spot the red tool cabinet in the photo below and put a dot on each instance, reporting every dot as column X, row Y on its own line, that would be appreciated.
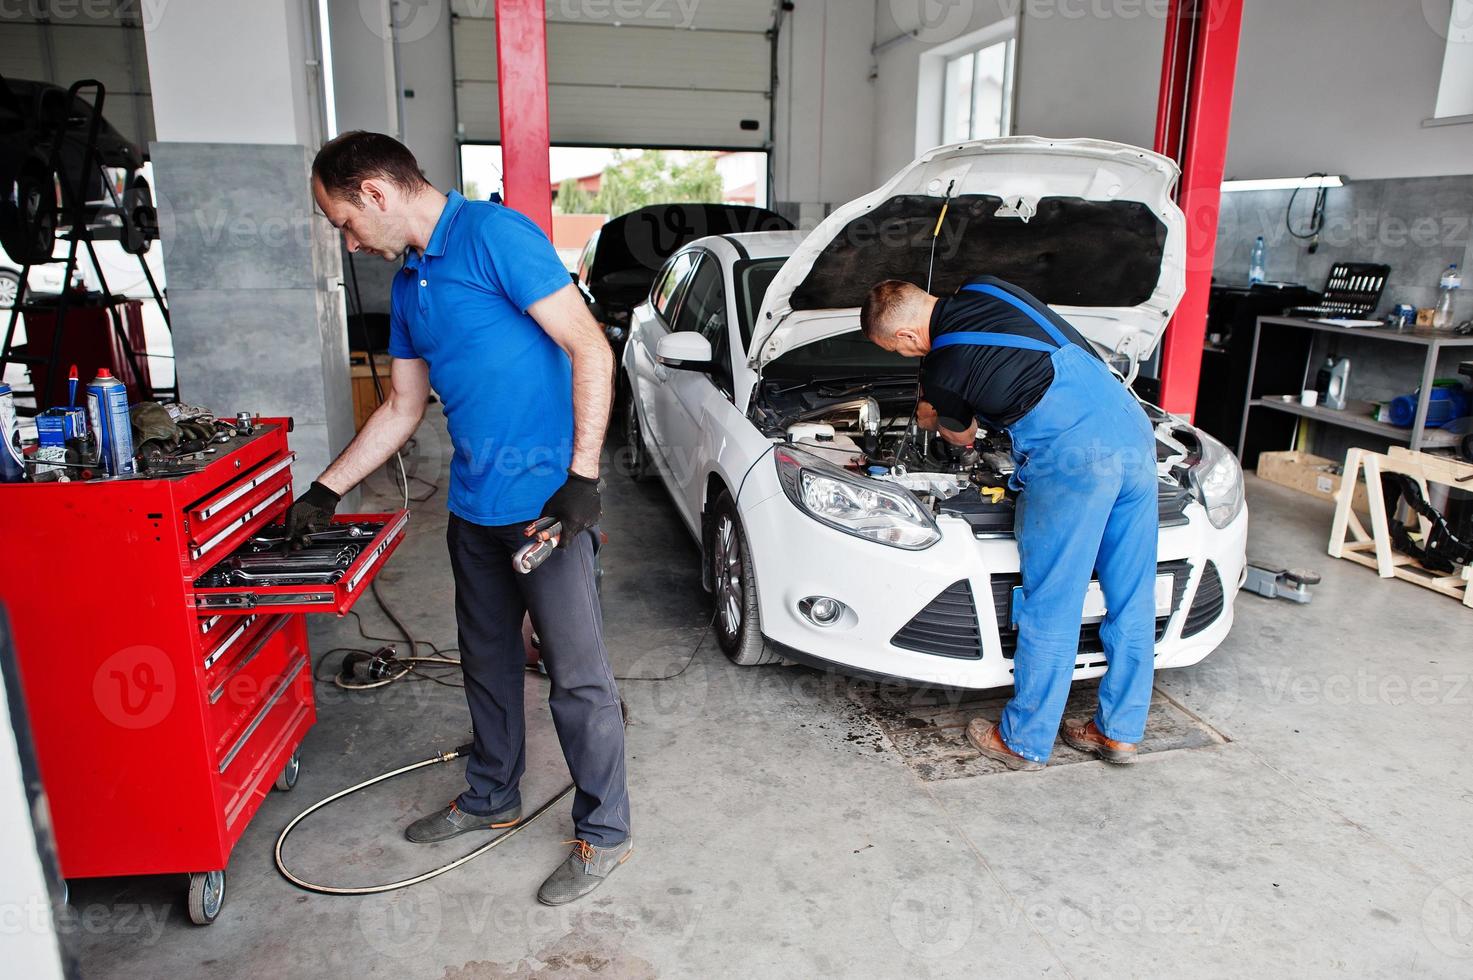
column 163, row 713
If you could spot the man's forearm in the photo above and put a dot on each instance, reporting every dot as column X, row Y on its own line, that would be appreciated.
column 388, row 428
column 593, row 396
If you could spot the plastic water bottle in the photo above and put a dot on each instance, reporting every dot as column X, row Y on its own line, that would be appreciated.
column 1451, row 282
column 1256, row 263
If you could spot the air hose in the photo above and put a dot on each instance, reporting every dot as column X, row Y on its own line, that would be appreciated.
column 450, row 756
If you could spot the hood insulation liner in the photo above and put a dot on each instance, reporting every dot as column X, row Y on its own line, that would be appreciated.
column 1072, row 252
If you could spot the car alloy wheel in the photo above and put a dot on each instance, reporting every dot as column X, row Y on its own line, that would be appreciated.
column 734, row 587
column 635, row 455
column 9, row 289
column 729, row 591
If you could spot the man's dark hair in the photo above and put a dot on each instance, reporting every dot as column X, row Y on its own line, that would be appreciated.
column 346, row 161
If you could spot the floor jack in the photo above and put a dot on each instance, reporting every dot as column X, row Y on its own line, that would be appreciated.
column 1274, row 582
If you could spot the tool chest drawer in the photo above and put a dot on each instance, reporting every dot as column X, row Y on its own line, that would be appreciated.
column 234, row 696
column 221, row 521
column 328, row 575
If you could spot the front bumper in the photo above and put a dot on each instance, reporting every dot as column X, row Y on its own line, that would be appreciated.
column 885, row 588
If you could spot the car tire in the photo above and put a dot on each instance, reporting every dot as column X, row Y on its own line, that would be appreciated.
column 734, row 588
column 28, row 220
column 9, row 288
column 636, row 454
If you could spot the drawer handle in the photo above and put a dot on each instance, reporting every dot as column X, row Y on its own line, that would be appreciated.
column 214, row 507
column 377, row 553
column 266, row 634
column 225, row 644
column 286, row 683
column 235, row 525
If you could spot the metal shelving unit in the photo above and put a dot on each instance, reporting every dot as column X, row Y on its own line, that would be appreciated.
column 1356, row 414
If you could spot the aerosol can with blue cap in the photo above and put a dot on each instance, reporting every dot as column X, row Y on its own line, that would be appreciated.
column 107, row 407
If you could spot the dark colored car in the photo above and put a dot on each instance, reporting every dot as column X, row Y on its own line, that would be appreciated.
column 45, row 172
column 619, row 263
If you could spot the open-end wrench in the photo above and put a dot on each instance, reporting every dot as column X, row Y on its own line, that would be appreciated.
column 544, row 533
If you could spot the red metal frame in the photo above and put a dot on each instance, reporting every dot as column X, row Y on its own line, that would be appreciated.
column 521, row 79
column 1193, row 113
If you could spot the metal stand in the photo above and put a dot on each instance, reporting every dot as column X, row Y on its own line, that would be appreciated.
column 75, row 201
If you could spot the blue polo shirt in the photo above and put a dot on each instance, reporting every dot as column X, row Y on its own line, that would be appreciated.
column 507, row 388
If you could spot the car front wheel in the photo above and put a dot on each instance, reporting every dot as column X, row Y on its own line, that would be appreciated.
column 734, row 588
column 636, row 456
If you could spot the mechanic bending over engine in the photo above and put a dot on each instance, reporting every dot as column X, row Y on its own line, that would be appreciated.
column 1086, row 458
column 484, row 311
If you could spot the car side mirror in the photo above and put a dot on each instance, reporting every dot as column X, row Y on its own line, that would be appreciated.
column 684, row 351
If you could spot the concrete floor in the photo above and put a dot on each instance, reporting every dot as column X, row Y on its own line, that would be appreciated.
column 778, row 833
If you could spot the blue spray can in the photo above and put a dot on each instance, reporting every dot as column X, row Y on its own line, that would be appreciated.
column 12, row 463
column 107, row 407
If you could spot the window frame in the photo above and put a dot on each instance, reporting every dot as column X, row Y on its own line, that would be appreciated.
column 1009, row 78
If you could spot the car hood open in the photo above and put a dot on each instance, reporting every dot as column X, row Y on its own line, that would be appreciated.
column 1087, row 226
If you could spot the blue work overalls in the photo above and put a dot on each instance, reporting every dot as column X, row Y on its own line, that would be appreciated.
column 1086, row 457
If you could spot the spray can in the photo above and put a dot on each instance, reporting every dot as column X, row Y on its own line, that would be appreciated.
column 107, row 407
column 12, row 463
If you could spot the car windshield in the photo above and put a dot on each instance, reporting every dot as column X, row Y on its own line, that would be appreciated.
column 847, row 356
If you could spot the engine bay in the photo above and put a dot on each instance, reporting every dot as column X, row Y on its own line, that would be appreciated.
column 869, row 428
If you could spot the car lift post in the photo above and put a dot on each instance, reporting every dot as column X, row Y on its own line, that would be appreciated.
column 521, row 80
column 1193, row 113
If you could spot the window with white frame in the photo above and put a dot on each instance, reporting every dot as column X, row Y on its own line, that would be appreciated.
column 977, row 94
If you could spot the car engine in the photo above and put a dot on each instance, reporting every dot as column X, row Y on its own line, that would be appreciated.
column 875, row 434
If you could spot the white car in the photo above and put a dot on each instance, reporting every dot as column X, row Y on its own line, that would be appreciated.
column 833, row 531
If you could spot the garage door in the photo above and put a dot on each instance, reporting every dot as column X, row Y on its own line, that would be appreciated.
column 670, row 73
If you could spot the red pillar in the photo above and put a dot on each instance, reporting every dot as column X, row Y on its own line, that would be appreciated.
column 521, row 80
column 1192, row 119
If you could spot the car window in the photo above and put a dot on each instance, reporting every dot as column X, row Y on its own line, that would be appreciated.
column 667, row 286
column 585, row 261
column 752, row 279
column 704, row 310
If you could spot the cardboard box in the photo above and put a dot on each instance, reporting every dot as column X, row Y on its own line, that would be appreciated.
column 1309, row 474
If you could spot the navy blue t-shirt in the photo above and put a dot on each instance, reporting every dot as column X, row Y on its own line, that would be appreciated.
column 997, row 385
column 507, row 387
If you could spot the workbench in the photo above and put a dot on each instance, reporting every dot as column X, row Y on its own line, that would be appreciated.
column 164, row 712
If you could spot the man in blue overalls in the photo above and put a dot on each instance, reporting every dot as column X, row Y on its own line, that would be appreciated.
column 483, row 311
column 1086, row 458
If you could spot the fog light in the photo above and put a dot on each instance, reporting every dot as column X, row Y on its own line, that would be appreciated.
column 821, row 610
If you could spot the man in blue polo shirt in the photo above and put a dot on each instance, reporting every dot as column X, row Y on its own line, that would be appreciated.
column 484, row 313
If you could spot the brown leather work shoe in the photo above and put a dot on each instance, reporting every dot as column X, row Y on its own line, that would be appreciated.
column 1086, row 737
column 985, row 738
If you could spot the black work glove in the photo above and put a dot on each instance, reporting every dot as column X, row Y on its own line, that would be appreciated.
column 576, row 506
column 312, row 511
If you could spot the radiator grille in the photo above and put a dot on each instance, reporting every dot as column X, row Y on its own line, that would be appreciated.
column 1206, row 604
column 947, row 627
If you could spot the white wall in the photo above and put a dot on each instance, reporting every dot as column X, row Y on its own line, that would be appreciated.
column 218, row 77
column 1343, row 86
column 825, row 106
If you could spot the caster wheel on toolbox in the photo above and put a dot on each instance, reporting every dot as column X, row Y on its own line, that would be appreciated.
column 206, row 896
column 287, row 778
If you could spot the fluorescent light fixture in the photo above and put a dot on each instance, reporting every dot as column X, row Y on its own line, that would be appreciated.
column 1283, row 183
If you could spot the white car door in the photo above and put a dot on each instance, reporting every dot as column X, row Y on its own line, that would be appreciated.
column 689, row 395
column 650, row 323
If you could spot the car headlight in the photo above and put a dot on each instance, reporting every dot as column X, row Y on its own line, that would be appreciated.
column 854, row 504
column 1218, row 481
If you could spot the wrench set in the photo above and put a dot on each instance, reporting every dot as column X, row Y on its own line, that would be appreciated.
column 268, row 559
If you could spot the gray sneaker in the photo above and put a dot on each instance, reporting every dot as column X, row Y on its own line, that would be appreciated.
column 452, row 821
column 584, row 870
